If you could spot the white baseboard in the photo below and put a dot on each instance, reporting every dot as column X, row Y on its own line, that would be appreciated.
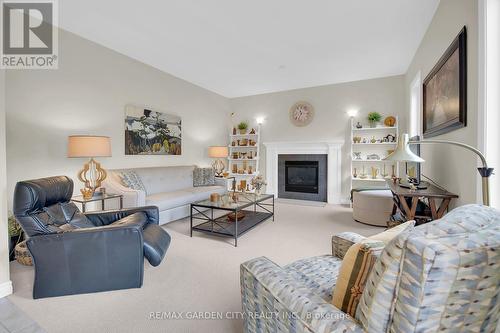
column 6, row 289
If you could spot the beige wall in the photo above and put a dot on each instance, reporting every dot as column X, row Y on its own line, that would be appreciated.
column 331, row 123
column 87, row 95
column 452, row 167
column 5, row 285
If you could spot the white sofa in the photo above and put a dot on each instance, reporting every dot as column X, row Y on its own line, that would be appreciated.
column 169, row 188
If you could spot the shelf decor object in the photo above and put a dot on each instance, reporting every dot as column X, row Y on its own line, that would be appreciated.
column 218, row 152
column 404, row 154
column 90, row 146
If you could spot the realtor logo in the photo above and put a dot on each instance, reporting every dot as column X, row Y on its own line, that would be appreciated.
column 29, row 34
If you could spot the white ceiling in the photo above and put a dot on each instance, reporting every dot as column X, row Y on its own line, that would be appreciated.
column 247, row 47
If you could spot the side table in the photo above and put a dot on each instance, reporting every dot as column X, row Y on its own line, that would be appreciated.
column 432, row 193
column 97, row 197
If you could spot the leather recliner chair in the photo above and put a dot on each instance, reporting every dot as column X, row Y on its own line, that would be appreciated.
column 75, row 253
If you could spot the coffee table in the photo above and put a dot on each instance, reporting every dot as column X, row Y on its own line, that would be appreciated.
column 256, row 207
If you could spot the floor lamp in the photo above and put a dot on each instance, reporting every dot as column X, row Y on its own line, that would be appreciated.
column 404, row 154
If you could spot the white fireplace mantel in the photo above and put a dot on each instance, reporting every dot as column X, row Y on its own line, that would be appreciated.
column 332, row 149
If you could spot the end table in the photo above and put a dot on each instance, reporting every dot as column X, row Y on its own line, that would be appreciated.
column 97, row 197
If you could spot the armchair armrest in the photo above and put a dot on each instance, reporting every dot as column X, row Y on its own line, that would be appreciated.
column 131, row 197
column 343, row 241
column 221, row 182
column 108, row 217
column 87, row 260
column 274, row 300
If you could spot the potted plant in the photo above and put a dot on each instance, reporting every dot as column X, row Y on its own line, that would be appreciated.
column 243, row 126
column 15, row 235
column 374, row 118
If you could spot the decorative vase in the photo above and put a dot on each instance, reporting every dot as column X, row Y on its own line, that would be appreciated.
column 374, row 173
column 243, row 131
column 355, row 174
column 234, row 130
column 373, row 124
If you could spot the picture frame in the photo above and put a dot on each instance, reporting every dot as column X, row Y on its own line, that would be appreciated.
column 152, row 132
column 445, row 91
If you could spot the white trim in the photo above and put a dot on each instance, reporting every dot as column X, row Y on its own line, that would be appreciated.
column 5, row 289
column 416, row 86
column 332, row 149
column 481, row 90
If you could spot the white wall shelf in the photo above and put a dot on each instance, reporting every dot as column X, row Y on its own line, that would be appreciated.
column 380, row 128
column 368, row 148
column 239, row 162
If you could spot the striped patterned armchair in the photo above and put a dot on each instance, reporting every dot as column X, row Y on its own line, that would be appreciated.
column 444, row 276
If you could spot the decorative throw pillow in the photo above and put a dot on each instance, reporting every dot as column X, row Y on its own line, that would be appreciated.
column 203, row 177
column 132, row 180
column 357, row 265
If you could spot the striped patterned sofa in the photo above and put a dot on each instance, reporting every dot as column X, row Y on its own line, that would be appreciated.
column 444, row 276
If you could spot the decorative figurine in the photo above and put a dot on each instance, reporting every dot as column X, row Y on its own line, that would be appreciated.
column 234, row 130
column 358, row 125
column 384, row 173
column 355, row 174
column 357, row 155
column 252, row 131
column 373, row 140
column 373, row 157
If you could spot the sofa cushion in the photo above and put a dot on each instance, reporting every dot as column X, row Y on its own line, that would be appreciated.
column 156, row 243
column 166, row 179
column 203, row 177
column 450, row 274
column 169, row 200
column 375, row 306
column 318, row 273
column 357, row 266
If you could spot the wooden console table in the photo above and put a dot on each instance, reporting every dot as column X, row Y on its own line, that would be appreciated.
column 432, row 193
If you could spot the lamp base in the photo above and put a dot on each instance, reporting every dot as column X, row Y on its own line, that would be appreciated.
column 218, row 167
column 92, row 174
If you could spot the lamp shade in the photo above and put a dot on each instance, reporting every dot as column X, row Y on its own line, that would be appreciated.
column 403, row 152
column 89, row 146
column 217, row 151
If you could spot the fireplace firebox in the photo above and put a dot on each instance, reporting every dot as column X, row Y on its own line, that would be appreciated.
column 301, row 176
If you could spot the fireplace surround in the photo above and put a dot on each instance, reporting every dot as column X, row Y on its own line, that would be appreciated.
column 332, row 150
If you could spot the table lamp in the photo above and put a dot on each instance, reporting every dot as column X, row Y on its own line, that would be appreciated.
column 404, row 154
column 218, row 152
column 90, row 146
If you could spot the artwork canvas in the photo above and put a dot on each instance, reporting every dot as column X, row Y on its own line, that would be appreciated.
column 445, row 91
column 149, row 132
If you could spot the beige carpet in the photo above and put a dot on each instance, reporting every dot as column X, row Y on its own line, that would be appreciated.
column 198, row 274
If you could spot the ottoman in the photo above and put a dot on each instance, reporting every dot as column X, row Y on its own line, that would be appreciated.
column 373, row 207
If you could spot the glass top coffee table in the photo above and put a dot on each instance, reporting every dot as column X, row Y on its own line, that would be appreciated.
column 231, row 219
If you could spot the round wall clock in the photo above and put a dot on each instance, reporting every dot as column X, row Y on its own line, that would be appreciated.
column 301, row 114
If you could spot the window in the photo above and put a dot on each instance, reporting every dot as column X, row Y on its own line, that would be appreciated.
column 415, row 125
column 489, row 133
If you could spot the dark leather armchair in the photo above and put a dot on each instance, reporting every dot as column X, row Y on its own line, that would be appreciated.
column 76, row 253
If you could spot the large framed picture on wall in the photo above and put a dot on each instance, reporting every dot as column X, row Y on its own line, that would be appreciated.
column 445, row 90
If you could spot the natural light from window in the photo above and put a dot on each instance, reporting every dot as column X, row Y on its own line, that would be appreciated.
column 492, row 122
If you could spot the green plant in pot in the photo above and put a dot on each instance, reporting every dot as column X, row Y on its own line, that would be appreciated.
column 243, row 126
column 374, row 118
column 15, row 235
